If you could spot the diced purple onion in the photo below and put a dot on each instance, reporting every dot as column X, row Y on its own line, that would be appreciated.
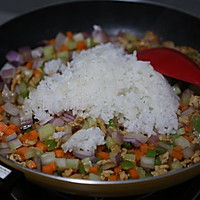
column 68, row 117
column 153, row 139
column 117, row 137
column 11, row 137
column 25, row 53
column 7, row 95
column 187, row 111
column 99, row 36
column 115, row 157
column 135, row 139
column 11, row 109
column 14, row 144
column 37, row 63
column 38, row 162
column 59, row 40
column 8, row 73
column 187, row 152
column 84, row 154
column 37, row 52
column 5, row 151
column 14, row 57
column 57, row 122
column 108, row 165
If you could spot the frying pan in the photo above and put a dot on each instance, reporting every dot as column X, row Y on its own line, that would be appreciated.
column 112, row 16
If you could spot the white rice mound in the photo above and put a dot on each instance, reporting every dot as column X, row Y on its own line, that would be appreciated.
column 105, row 81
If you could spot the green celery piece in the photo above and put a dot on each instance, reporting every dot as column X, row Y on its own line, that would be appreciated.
column 130, row 157
column 151, row 153
column 46, row 131
column 111, row 123
column 48, row 52
column 72, row 163
column 81, row 169
column 127, row 145
column 109, row 142
column 196, row 123
column 157, row 161
column 127, row 165
column 51, row 144
column 148, row 175
column 160, row 150
column 63, row 55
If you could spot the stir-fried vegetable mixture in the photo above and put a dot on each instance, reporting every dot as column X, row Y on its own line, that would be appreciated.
column 124, row 155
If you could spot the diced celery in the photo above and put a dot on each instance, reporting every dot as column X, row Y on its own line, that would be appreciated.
column 180, row 131
column 81, row 169
column 130, row 37
column 61, row 162
column 87, row 161
column 78, row 37
column 48, row 157
column 177, row 89
column 130, row 157
column 72, row 163
column 127, row 165
column 90, row 42
column 111, row 123
column 157, row 161
column 48, row 52
column 63, row 55
column 109, row 142
column 176, row 165
column 151, row 153
column 51, row 144
column 23, row 89
column 46, row 131
column 181, row 141
column 70, row 44
column 141, row 171
column 196, row 123
column 127, row 145
column 91, row 122
column 94, row 177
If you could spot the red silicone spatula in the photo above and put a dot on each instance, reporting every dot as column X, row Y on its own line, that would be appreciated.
column 172, row 63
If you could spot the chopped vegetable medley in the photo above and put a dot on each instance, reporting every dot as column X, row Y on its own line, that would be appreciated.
column 116, row 154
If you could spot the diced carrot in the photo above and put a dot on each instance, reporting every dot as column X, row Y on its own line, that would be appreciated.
column 49, row 168
column 113, row 177
column 190, row 139
column 81, row 45
column 3, row 127
column 143, row 148
column 103, row 155
column 69, row 34
column 1, row 118
column 68, row 154
column 177, row 148
column 117, row 170
column 177, row 154
column 9, row 131
column 188, row 128
column 31, row 164
column 29, row 64
column 184, row 107
column 100, row 148
column 33, row 135
column 14, row 127
column 1, row 110
column 134, row 173
column 94, row 170
column 52, row 41
column 37, row 71
column 21, row 151
column 64, row 48
column 138, row 154
column 41, row 146
column 59, row 153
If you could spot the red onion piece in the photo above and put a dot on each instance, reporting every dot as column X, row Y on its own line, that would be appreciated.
column 99, row 36
column 187, row 152
column 135, row 139
column 14, row 144
column 57, row 122
column 13, row 57
column 59, row 40
column 38, row 162
column 11, row 109
column 7, row 95
column 11, row 137
column 153, row 139
column 115, row 157
column 117, row 137
column 5, row 151
column 25, row 53
column 187, row 111
column 37, row 52
column 84, row 154
column 68, row 117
